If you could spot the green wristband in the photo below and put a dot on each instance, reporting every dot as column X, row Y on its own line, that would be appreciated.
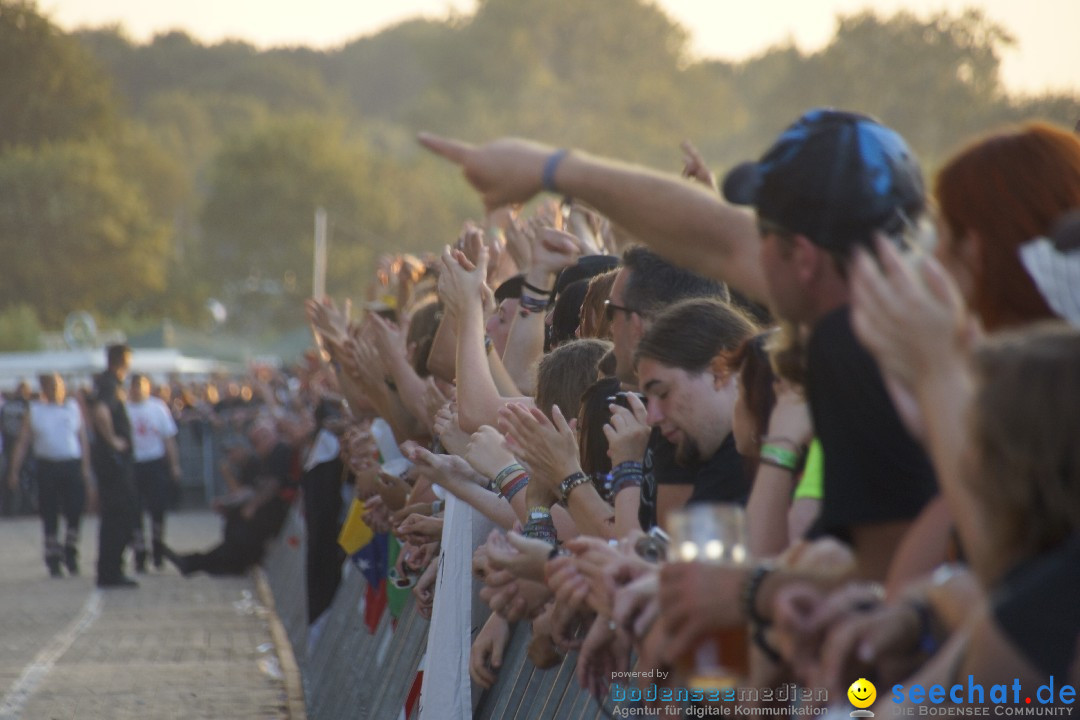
column 779, row 456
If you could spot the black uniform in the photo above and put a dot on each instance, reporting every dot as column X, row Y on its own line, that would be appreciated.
column 117, row 500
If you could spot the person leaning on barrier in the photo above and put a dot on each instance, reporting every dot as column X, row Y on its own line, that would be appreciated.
column 254, row 514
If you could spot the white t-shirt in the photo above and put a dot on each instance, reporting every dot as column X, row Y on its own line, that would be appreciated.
column 151, row 424
column 55, row 430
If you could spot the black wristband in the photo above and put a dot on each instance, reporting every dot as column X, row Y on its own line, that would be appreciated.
column 538, row 291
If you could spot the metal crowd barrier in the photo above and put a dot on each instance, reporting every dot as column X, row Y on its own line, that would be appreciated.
column 352, row 674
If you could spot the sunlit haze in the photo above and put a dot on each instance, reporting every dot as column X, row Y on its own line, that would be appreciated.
column 1046, row 57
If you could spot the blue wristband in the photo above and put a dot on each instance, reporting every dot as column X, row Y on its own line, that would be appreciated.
column 547, row 180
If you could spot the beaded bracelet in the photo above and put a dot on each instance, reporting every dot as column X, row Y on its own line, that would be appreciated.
column 750, row 588
column 626, row 474
column 758, row 623
column 541, row 529
column 621, row 484
column 530, row 305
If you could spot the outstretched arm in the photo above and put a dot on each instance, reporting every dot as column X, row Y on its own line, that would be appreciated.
column 682, row 221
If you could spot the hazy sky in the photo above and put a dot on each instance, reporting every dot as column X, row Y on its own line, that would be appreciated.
column 1047, row 55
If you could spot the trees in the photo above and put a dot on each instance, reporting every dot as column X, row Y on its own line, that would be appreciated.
column 51, row 88
column 77, row 233
column 214, row 156
column 258, row 218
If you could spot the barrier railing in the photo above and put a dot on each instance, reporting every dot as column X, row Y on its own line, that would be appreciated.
column 350, row 673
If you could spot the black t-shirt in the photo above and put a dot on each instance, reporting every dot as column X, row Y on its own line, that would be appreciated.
column 721, row 478
column 109, row 390
column 276, row 467
column 1037, row 606
column 875, row 471
column 658, row 468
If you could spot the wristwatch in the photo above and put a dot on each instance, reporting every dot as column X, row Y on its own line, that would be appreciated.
column 571, row 482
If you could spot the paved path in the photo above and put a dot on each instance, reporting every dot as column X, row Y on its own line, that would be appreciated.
column 175, row 648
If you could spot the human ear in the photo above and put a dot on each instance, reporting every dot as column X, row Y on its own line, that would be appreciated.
column 721, row 370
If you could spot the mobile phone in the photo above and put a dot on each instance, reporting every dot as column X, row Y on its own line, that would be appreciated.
column 653, row 547
column 621, row 398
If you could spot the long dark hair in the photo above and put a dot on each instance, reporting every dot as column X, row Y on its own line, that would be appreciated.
column 756, row 378
column 595, row 413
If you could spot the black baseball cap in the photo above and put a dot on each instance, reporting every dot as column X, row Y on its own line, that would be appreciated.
column 509, row 288
column 587, row 266
column 833, row 176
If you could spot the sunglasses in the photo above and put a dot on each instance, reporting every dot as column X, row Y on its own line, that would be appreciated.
column 610, row 308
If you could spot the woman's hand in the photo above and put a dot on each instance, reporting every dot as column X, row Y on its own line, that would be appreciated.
column 420, row 529
column 487, row 452
column 452, row 437
column 524, row 557
column 549, row 449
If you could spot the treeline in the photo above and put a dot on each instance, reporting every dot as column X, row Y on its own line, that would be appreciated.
column 137, row 180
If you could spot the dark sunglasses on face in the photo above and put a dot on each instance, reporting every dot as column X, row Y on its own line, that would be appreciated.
column 610, row 308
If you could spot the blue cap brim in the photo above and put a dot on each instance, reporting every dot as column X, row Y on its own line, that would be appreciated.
column 742, row 183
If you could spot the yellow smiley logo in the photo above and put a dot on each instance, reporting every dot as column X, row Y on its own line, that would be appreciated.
column 862, row 693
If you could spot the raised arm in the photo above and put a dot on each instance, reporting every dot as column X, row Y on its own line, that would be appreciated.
column 682, row 221
column 460, row 287
column 18, row 453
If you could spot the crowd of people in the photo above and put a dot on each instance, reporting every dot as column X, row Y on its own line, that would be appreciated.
column 881, row 377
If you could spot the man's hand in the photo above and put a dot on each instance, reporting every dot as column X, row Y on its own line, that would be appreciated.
column 628, row 431
column 694, row 166
column 504, row 172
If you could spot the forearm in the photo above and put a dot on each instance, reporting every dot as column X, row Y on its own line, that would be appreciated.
column 104, row 425
column 478, row 399
column 411, row 389
column 18, row 455
column 442, row 356
column 590, row 513
column 351, row 390
column 405, row 425
column 627, row 503
column 84, row 445
column 943, row 398
column 767, row 510
column 485, row 502
column 682, row 221
column 503, row 382
column 172, row 456
column 525, row 343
